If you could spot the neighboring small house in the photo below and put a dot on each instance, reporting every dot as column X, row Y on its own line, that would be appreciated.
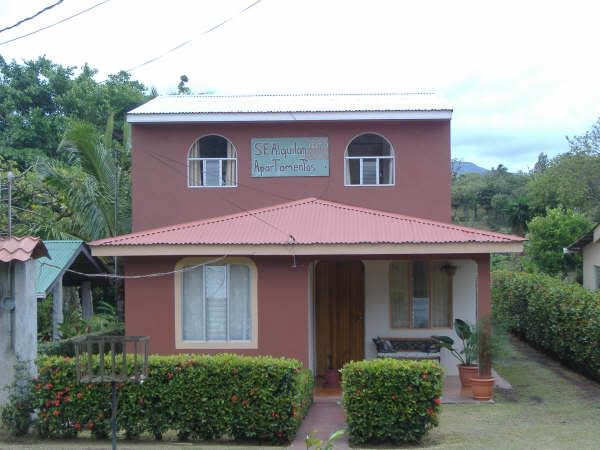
column 18, row 305
column 322, row 221
column 589, row 246
column 67, row 257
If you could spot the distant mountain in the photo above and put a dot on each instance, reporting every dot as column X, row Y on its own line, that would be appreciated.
column 468, row 167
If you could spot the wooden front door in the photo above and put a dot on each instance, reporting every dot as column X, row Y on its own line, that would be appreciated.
column 339, row 313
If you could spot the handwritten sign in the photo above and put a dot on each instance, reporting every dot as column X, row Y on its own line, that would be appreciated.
column 290, row 157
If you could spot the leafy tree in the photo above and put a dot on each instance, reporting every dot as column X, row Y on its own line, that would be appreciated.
column 549, row 234
column 182, row 89
column 572, row 179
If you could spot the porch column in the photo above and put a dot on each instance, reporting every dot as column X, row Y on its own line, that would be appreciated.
column 484, row 299
column 25, row 330
column 57, row 308
column 87, row 306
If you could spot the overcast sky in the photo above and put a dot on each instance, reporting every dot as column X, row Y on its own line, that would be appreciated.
column 520, row 75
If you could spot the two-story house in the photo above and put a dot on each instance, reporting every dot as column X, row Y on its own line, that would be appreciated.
column 297, row 225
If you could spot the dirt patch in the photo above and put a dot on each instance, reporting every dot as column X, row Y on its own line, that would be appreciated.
column 536, row 399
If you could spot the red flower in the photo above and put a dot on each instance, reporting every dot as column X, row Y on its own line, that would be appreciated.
column 79, row 395
column 77, row 426
column 56, row 402
column 101, row 415
column 295, row 414
column 244, row 402
column 276, row 415
column 234, row 398
column 90, row 425
column 436, row 401
column 90, row 386
column 170, row 375
column 38, row 386
column 430, row 411
column 67, row 389
column 234, row 371
column 141, row 401
column 48, row 386
column 48, row 403
column 280, row 434
column 67, row 398
column 394, row 397
column 56, row 412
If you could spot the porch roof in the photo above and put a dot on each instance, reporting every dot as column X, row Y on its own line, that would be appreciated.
column 309, row 226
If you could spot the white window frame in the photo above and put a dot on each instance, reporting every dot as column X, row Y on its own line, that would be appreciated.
column 376, row 158
column 180, row 342
column 220, row 185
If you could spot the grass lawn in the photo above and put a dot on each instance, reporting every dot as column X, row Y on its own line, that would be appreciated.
column 549, row 408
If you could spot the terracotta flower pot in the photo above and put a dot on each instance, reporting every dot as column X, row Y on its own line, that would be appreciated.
column 482, row 387
column 466, row 373
column 332, row 378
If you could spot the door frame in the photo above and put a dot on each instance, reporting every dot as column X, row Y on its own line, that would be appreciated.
column 312, row 319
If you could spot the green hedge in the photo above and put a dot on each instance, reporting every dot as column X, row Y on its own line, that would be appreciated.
column 201, row 397
column 388, row 400
column 559, row 317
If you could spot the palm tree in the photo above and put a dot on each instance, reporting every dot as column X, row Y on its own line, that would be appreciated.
column 91, row 185
column 88, row 181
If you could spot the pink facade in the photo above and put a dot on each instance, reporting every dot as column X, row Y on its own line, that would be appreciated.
column 161, row 196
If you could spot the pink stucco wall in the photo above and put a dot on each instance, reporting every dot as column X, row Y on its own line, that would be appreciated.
column 161, row 196
column 282, row 307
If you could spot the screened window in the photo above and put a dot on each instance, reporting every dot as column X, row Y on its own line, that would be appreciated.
column 212, row 163
column 216, row 303
column 369, row 160
column 420, row 294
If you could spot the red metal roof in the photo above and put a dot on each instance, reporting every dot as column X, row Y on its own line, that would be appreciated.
column 309, row 221
column 22, row 249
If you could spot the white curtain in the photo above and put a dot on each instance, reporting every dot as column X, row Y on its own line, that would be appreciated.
column 216, row 303
column 230, row 165
column 239, row 303
column 193, row 305
column 400, row 293
column 194, row 166
column 441, row 306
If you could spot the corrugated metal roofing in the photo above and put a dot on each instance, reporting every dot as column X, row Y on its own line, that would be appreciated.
column 194, row 104
column 309, row 221
column 21, row 249
column 62, row 254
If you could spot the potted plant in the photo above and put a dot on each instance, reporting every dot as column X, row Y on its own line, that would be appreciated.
column 467, row 367
column 490, row 345
column 332, row 376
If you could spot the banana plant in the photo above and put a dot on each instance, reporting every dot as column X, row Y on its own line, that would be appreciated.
column 465, row 333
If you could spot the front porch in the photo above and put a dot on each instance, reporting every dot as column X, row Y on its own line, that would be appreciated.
column 452, row 391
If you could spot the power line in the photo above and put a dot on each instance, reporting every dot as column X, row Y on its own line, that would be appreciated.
column 32, row 17
column 56, row 23
column 194, row 38
column 136, row 277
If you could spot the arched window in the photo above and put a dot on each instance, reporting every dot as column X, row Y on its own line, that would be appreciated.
column 369, row 160
column 212, row 163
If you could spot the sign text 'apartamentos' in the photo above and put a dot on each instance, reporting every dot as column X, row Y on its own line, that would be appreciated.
column 290, row 157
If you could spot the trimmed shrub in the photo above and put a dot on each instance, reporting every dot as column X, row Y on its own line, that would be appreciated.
column 559, row 317
column 199, row 396
column 391, row 400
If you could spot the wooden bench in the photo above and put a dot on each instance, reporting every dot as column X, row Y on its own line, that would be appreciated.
column 407, row 348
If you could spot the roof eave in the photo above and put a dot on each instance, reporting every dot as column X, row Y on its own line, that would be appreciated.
column 308, row 249
column 442, row 114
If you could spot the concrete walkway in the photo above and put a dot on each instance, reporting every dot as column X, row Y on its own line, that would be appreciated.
column 325, row 415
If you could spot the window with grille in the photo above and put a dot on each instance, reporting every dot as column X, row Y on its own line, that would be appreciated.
column 369, row 161
column 212, row 162
column 420, row 294
column 216, row 303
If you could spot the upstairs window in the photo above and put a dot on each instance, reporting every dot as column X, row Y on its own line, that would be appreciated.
column 212, row 162
column 369, row 161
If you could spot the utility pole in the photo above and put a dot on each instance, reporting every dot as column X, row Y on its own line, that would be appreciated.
column 9, row 178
